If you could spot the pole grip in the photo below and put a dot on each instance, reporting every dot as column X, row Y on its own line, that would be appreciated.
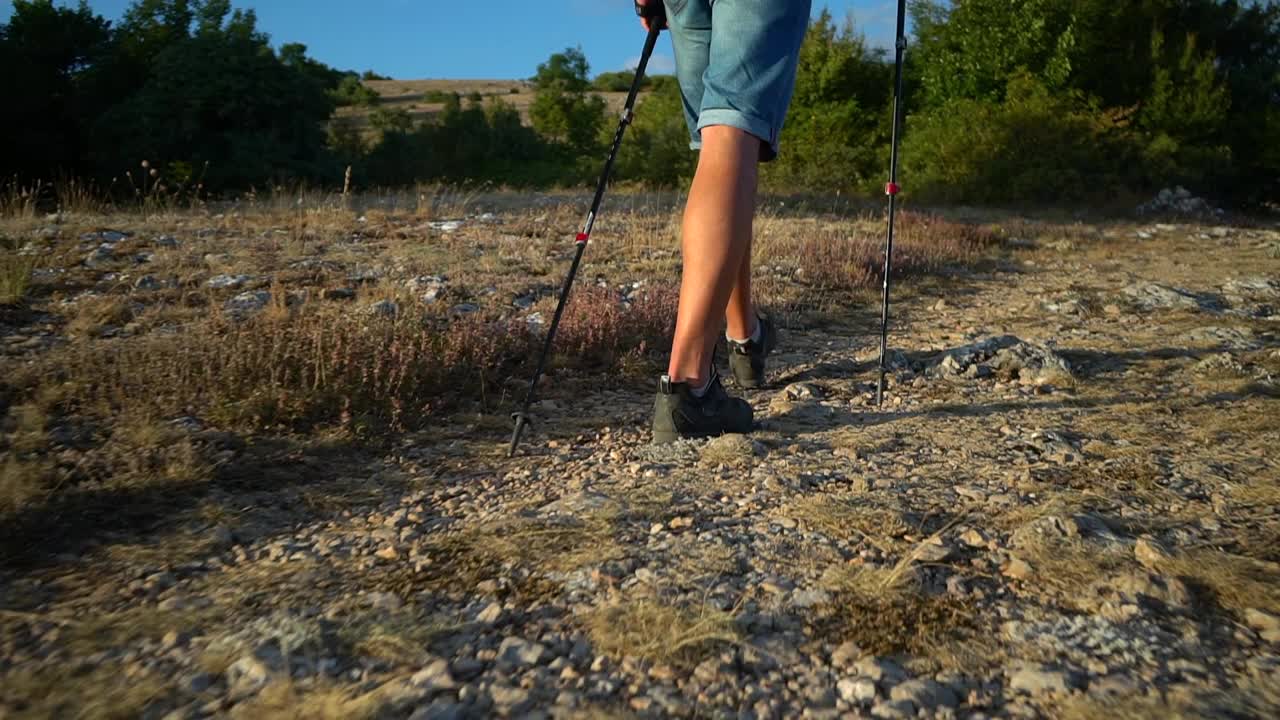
column 654, row 12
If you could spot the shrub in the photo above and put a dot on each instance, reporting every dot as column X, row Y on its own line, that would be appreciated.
column 440, row 96
column 319, row 367
column 15, row 273
column 1033, row 147
column 656, row 150
column 351, row 91
column 832, row 260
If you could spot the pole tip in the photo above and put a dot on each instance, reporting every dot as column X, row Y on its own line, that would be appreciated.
column 521, row 421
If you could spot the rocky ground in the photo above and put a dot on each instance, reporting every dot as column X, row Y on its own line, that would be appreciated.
column 1069, row 506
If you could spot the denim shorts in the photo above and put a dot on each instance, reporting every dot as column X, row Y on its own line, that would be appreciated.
column 736, row 63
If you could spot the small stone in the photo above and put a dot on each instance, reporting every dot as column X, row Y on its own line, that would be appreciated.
column 387, row 552
column 859, row 691
column 846, row 654
column 802, row 391
column 1018, row 569
column 491, row 614
column 520, row 652
column 974, row 538
column 1267, row 625
column 1037, row 681
column 200, row 682
column 513, row 700
column 247, row 303
column 245, row 677
column 809, row 597
column 681, row 523
column 226, row 282
column 434, row 678
column 100, row 256
column 441, row 709
column 342, row 293
column 894, row 710
column 147, row 282
column 1150, row 552
column 932, row 552
column 924, row 693
column 880, row 670
column 384, row 309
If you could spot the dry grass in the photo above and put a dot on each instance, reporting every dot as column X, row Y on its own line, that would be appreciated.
column 885, row 611
column 108, row 692
column 95, row 316
column 22, row 482
column 1235, row 583
column 523, row 549
column 400, row 637
column 15, row 272
column 1066, row 566
column 310, row 365
column 852, row 518
column 659, row 633
column 320, row 366
column 286, row 700
column 827, row 257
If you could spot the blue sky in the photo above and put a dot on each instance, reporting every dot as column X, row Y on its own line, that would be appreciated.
column 499, row 39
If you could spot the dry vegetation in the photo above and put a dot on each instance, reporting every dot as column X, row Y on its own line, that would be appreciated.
column 281, row 423
column 320, row 327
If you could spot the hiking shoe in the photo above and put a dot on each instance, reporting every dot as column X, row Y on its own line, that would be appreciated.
column 678, row 413
column 746, row 360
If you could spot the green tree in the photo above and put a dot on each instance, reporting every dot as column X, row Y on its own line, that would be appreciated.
column 971, row 49
column 351, row 91
column 839, row 117
column 656, row 151
column 563, row 111
column 48, row 54
column 220, row 96
column 1033, row 146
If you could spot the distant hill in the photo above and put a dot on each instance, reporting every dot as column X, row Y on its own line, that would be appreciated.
column 412, row 96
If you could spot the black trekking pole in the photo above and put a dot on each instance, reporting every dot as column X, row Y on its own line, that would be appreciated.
column 892, row 191
column 656, row 15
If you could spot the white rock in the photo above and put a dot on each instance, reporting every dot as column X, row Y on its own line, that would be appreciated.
column 520, row 652
column 856, row 691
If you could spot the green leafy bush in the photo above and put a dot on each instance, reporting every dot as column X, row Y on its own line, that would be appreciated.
column 656, row 151
column 352, row 91
column 1033, row 147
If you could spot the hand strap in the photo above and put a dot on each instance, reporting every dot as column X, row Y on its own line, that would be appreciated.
column 654, row 12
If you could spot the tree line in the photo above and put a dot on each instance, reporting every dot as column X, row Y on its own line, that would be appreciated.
column 1008, row 101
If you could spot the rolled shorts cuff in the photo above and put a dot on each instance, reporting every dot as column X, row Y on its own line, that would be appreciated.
column 746, row 122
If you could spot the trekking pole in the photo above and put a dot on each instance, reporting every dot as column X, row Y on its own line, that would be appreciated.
column 654, row 13
column 892, row 191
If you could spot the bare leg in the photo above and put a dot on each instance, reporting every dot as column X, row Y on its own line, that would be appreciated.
column 716, row 246
column 741, row 313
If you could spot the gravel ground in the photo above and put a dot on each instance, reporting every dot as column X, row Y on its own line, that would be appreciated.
column 1067, row 507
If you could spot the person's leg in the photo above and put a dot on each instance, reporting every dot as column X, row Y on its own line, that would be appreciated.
column 716, row 244
column 740, row 316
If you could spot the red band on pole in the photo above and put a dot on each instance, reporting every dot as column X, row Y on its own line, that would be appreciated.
column 582, row 238
column 891, row 189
